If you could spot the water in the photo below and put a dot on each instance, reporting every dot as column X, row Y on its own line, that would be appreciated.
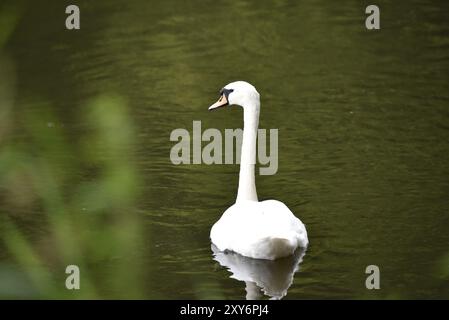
column 362, row 118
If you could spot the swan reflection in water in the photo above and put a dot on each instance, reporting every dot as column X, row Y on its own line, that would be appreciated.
column 270, row 277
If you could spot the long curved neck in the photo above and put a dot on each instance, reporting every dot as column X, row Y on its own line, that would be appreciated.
column 247, row 183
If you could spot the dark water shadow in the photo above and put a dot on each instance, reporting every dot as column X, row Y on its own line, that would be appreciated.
column 261, row 277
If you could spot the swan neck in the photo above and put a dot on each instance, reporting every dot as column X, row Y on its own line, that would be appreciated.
column 247, row 184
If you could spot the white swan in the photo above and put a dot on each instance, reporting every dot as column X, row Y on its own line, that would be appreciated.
column 260, row 230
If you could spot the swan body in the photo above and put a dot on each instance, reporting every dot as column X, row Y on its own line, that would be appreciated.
column 260, row 230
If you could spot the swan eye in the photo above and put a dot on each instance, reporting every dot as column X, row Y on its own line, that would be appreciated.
column 225, row 92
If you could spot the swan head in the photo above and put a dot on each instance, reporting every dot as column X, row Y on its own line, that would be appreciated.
column 239, row 93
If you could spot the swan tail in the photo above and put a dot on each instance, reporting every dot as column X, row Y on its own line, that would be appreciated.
column 273, row 248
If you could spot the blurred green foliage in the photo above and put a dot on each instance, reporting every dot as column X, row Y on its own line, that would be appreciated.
column 87, row 220
column 87, row 224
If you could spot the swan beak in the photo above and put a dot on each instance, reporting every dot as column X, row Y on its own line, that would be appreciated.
column 222, row 102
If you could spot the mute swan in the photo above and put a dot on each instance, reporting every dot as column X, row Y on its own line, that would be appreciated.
column 260, row 230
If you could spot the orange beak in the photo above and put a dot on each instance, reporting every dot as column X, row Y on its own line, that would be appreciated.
column 222, row 102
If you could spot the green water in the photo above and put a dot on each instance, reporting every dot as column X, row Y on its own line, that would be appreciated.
column 363, row 138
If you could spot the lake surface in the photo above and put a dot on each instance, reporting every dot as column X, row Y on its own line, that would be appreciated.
column 363, row 119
